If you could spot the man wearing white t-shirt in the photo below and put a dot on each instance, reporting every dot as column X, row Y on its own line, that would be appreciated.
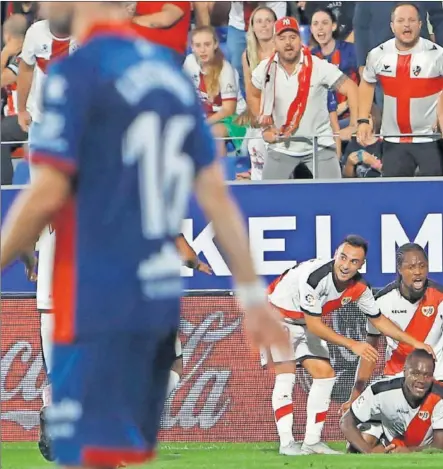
column 410, row 409
column 289, row 95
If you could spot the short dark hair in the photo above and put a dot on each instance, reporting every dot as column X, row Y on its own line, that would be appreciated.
column 408, row 247
column 419, row 354
column 356, row 241
column 404, row 4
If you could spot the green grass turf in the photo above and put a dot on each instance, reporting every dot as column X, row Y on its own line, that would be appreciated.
column 238, row 456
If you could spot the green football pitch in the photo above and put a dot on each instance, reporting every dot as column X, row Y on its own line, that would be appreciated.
column 237, row 456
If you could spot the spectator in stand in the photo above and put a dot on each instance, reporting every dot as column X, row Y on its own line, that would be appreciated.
column 372, row 20
column 324, row 30
column 343, row 13
column 259, row 46
column 239, row 19
column 364, row 162
column 165, row 23
column 289, row 95
column 410, row 71
column 14, row 30
column 28, row 9
column 217, row 84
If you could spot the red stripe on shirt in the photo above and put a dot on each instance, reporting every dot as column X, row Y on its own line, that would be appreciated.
column 45, row 158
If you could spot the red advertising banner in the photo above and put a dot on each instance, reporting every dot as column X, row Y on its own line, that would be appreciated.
column 224, row 394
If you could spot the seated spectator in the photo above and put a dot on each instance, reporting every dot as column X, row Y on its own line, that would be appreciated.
column 324, row 30
column 29, row 10
column 14, row 30
column 217, row 84
column 363, row 162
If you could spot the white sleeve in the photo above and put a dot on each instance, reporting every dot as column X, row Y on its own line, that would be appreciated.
column 258, row 75
column 367, row 304
column 29, row 45
column 280, row 8
column 369, row 72
column 309, row 299
column 437, row 416
column 366, row 406
column 328, row 73
column 228, row 84
column 187, row 66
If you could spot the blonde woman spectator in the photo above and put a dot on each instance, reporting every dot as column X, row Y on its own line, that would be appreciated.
column 217, row 84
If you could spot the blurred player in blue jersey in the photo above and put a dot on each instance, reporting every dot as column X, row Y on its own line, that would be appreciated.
column 121, row 142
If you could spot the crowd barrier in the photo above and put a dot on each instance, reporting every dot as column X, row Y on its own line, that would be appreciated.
column 224, row 394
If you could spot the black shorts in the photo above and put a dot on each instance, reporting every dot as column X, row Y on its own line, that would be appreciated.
column 403, row 159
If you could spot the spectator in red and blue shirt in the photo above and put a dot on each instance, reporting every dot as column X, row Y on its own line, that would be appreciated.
column 340, row 53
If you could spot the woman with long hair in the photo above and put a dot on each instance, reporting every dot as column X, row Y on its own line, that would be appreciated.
column 217, row 84
column 340, row 53
column 259, row 46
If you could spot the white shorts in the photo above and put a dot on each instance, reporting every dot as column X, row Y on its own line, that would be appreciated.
column 303, row 345
column 46, row 245
column 178, row 348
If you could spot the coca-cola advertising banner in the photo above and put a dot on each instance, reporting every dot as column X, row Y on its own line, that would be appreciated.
column 224, row 394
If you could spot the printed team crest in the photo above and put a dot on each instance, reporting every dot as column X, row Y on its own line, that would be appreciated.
column 423, row 415
column 346, row 300
column 416, row 70
column 310, row 300
column 428, row 311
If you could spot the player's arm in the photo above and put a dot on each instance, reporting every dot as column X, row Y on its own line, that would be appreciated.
column 362, row 410
column 311, row 308
column 390, row 329
column 170, row 14
column 32, row 210
column 189, row 256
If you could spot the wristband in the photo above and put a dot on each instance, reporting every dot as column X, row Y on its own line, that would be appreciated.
column 363, row 121
column 252, row 294
column 360, row 156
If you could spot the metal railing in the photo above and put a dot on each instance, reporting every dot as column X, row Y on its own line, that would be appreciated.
column 310, row 139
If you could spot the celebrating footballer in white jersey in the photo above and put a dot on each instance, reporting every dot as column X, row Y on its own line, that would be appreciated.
column 302, row 295
column 415, row 304
column 410, row 410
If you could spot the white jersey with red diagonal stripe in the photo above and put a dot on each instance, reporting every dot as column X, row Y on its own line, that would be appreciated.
column 309, row 288
column 411, row 81
column 40, row 47
column 402, row 424
column 422, row 319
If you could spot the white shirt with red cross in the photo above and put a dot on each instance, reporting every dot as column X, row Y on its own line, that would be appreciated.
column 411, row 81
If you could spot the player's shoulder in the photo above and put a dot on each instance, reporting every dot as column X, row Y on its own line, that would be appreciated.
column 387, row 385
column 436, row 287
column 317, row 270
column 39, row 27
column 388, row 289
column 437, row 389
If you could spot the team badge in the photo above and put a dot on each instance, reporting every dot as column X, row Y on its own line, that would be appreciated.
column 346, row 300
column 416, row 70
column 428, row 311
column 423, row 415
column 310, row 300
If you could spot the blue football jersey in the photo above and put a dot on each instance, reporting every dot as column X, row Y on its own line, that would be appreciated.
column 122, row 119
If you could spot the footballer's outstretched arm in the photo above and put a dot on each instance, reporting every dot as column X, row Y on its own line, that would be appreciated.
column 317, row 327
column 33, row 209
column 363, row 375
column 262, row 322
column 389, row 329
